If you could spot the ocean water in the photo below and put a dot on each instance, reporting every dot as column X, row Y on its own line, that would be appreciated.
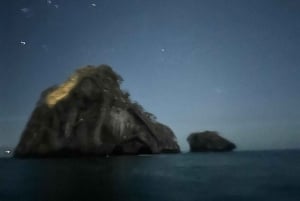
column 236, row 176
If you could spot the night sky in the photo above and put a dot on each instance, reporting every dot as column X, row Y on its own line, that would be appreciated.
column 232, row 66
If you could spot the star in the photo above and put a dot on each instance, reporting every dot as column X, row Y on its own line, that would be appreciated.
column 23, row 42
column 219, row 90
column 45, row 47
column 163, row 50
column 49, row 1
column 93, row 4
column 56, row 5
column 7, row 151
column 25, row 10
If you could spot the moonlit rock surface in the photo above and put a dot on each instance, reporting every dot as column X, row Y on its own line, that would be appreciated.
column 209, row 141
column 89, row 114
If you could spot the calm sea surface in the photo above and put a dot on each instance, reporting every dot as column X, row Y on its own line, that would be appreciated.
column 255, row 176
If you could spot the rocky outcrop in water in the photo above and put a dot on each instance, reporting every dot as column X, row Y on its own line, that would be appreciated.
column 89, row 114
column 209, row 141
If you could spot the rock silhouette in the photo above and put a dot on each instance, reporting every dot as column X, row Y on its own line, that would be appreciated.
column 209, row 141
column 89, row 114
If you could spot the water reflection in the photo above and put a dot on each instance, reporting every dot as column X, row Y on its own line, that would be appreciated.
column 238, row 176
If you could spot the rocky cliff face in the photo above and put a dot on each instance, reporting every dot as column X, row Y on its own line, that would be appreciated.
column 209, row 141
column 89, row 114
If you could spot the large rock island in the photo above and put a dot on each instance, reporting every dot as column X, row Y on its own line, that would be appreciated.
column 89, row 114
column 209, row 141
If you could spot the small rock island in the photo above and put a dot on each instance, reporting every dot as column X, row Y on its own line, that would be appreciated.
column 89, row 114
column 209, row 141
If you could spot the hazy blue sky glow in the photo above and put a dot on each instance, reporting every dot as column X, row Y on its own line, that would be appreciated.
column 231, row 66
